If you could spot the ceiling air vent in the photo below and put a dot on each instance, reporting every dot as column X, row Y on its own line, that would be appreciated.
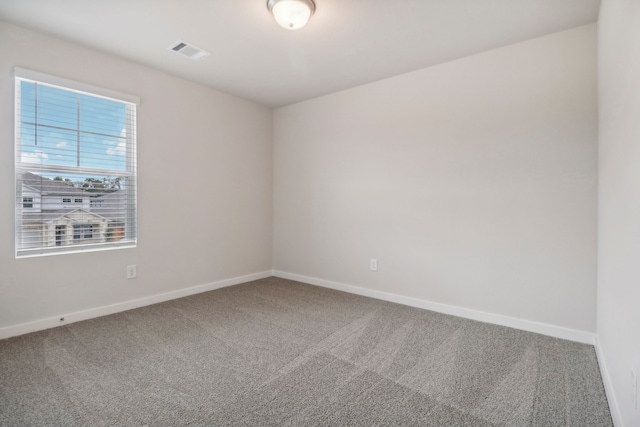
column 189, row 50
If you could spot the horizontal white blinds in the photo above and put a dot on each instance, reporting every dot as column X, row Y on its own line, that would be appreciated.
column 75, row 169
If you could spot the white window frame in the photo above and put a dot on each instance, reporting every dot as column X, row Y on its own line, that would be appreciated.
column 22, row 74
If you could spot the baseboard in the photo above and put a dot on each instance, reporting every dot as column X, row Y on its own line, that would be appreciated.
column 39, row 325
column 541, row 328
column 526, row 325
column 608, row 386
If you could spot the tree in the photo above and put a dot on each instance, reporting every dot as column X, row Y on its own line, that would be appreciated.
column 96, row 185
column 65, row 181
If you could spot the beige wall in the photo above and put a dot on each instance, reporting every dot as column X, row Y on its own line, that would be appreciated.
column 204, row 162
column 619, row 202
column 473, row 183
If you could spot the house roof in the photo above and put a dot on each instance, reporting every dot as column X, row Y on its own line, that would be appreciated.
column 111, row 207
column 49, row 186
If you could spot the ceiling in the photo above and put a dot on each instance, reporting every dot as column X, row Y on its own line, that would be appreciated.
column 347, row 43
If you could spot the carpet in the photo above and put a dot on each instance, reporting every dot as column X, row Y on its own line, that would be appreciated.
column 275, row 352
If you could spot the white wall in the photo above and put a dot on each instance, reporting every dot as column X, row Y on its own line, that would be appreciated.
column 473, row 183
column 619, row 201
column 204, row 163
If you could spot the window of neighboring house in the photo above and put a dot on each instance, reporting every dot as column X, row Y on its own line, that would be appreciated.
column 60, row 233
column 84, row 231
column 75, row 138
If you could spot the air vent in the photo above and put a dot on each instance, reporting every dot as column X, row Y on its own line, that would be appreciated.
column 189, row 50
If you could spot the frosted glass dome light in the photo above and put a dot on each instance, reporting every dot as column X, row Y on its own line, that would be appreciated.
column 291, row 14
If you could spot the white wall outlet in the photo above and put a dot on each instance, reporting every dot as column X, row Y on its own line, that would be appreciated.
column 373, row 264
column 132, row 271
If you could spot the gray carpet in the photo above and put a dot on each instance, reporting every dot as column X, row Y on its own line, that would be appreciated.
column 277, row 352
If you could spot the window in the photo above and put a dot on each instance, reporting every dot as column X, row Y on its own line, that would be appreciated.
column 60, row 234
column 74, row 142
column 84, row 231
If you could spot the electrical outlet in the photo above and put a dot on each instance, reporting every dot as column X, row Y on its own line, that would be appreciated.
column 373, row 264
column 131, row 271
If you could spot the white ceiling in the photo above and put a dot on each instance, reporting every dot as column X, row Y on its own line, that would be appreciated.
column 346, row 43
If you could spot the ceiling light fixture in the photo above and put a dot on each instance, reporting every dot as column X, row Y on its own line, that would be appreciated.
column 291, row 14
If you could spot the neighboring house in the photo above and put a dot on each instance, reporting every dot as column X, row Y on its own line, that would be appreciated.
column 54, row 213
column 111, row 207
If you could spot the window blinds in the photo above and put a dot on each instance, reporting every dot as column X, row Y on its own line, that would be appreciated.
column 75, row 166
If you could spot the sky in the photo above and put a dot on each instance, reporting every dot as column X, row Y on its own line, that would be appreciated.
column 61, row 127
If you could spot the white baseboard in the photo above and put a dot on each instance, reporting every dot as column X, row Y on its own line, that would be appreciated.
column 527, row 325
column 39, row 325
column 497, row 319
column 608, row 386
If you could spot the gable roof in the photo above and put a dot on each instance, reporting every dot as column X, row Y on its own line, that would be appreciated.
column 52, row 215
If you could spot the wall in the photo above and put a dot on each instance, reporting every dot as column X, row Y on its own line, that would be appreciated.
column 204, row 200
column 619, row 203
column 473, row 183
